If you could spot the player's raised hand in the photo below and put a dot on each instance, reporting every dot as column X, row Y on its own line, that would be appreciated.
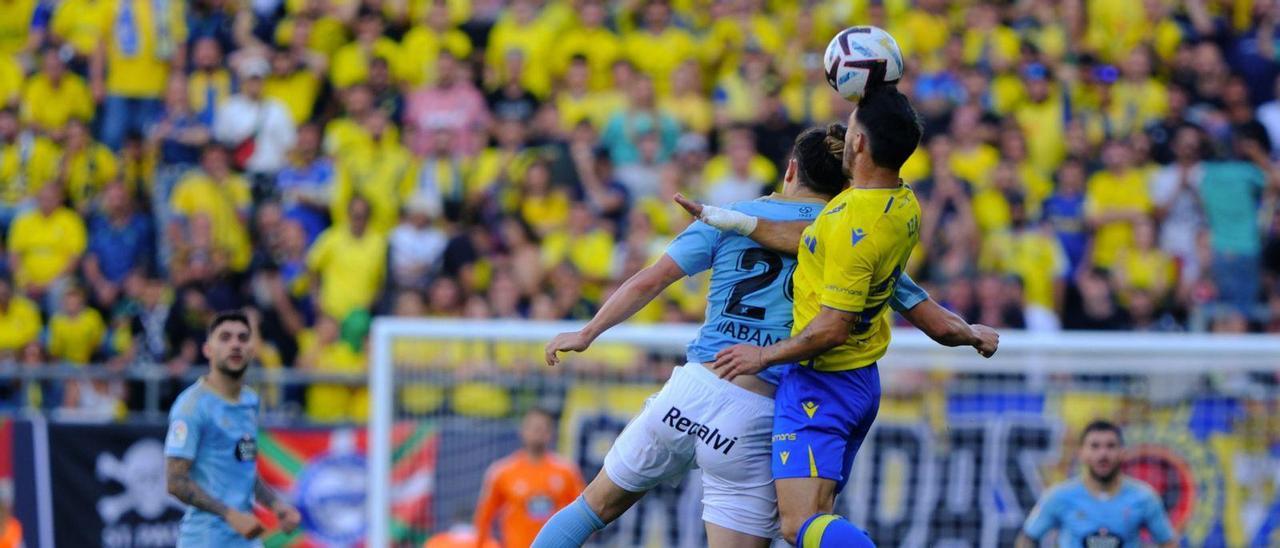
column 719, row 217
column 694, row 208
column 565, row 342
column 288, row 516
column 739, row 359
column 988, row 340
column 245, row 524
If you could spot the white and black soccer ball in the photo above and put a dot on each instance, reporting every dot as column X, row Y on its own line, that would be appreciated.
column 860, row 58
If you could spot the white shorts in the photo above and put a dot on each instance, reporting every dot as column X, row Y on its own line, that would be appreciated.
column 698, row 419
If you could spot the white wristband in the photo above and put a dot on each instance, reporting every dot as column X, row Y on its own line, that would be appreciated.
column 728, row 219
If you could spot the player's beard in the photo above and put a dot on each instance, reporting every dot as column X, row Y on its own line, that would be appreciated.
column 1104, row 478
column 231, row 373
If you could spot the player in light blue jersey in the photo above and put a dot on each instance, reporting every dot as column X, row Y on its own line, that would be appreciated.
column 211, row 449
column 1102, row 508
column 698, row 419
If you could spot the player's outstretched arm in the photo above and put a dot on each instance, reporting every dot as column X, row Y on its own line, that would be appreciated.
column 949, row 329
column 286, row 513
column 828, row 330
column 181, row 486
column 780, row 236
column 631, row 296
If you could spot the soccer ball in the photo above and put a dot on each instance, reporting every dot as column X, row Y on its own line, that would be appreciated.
column 860, row 58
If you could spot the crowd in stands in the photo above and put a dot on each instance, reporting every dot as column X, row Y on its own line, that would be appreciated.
column 1087, row 164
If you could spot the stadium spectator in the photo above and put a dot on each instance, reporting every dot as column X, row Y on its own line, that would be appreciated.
column 209, row 84
column 1086, row 123
column 348, row 263
column 257, row 128
column 1231, row 192
column 416, row 245
column 179, row 134
column 86, row 166
column 453, row 102
column 28, row 162
column 527, row 487
column 433, row 34
column 45, row 245
column 19, row 320
column 76, row 332
column 140, row 47
column 214, row 201
column 625, row 126
column 295, row 80
column 53, row 96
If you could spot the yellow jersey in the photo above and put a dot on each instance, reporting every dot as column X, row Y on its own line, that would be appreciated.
column 74, row 338
column 849, row 260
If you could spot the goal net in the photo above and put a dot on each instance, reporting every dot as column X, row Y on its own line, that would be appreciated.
column 961, row 449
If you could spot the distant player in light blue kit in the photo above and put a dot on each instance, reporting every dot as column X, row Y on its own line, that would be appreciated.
column 211, row 449
column 698, row 419
column 1102, row 508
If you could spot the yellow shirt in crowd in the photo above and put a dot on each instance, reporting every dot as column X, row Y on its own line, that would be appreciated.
column 11, row 80
column 26, row 166
column 207, row 90
column 599, row 46
column 138, row 53
column 383, row 174
column 351, row 269
column 297, row 91
column 19, row 324
column 15, row 26
column 79, row 23
column 48, row 106
column 421, row 47
column 88, row 171
column 350, row 63
column 198, row 194
column 46, row 246
column 1108, row 192
column 658, row 55
column 73, row 339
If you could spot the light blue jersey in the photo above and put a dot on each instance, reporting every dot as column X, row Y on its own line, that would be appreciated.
column 750, row 296
column 221, row 440
column 1083, row 519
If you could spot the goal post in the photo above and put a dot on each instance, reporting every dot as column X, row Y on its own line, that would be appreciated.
column 1156, row 384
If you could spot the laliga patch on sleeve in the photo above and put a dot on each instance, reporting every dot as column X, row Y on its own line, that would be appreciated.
column 177, row 434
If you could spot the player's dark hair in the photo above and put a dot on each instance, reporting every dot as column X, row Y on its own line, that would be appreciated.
column 819, row 155
column 1100, row 425
column 892, row 126
column 229, row 316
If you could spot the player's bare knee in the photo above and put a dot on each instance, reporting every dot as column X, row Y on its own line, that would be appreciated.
column 607, row 499
column 791, row 527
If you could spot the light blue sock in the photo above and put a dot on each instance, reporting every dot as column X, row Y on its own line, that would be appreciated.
column 571, row 526
column 831, row 531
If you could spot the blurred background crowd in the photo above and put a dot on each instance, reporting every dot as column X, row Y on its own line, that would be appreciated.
column 1087, row 164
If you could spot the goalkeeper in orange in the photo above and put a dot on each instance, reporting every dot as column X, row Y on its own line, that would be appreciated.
column 523, row 490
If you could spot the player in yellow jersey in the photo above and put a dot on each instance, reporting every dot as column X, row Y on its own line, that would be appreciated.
column 849, row 261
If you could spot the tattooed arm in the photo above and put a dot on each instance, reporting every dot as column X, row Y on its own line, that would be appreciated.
column 180, row 485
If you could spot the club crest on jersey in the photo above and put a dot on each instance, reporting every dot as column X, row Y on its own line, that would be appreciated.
column 246, row 449
column 858, row 235
column 810, row 408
